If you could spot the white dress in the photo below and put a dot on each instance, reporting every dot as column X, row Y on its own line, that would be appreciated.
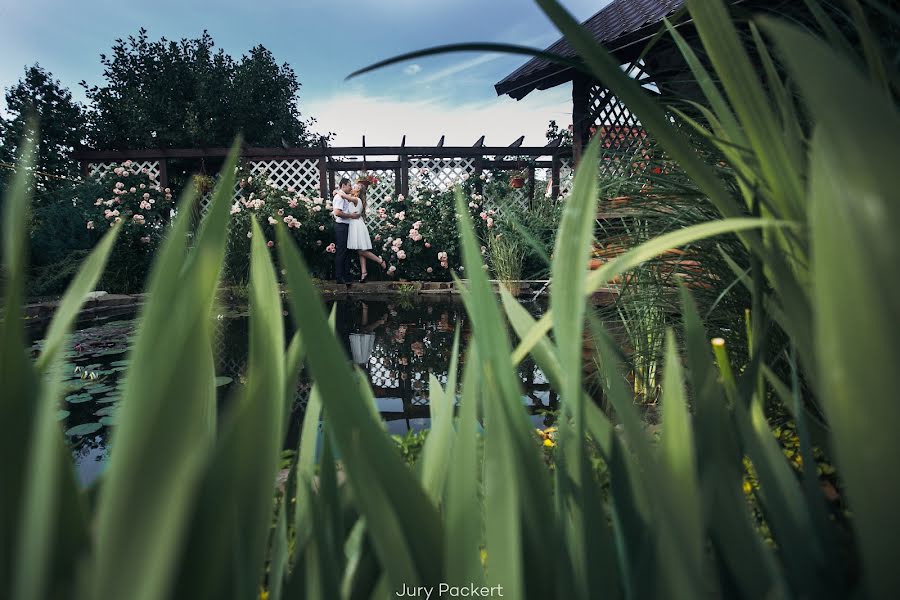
column 361, row 347
column 358, row 234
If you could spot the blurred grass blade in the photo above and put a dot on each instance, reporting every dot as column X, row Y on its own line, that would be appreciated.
column 435, row 458
column 18, row 402
column 142, row 512
column 637, row 256
column 53, row 526
column 471, row 47
column 408, row 546
column 853, row 216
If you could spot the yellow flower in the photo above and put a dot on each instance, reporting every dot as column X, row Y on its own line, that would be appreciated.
column 483, row 556
column 264, row 595
column 549, row 443
column 747, row 487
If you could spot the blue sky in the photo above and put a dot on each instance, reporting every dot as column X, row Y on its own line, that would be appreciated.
column 324, row 40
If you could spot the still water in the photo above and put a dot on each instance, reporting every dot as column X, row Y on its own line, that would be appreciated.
column 397, row 344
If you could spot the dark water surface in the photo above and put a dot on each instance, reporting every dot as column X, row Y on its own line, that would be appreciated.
column 397, row 344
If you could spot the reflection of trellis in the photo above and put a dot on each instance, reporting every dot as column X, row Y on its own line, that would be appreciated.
column 376, row 195
column 136, row 167
column 438, row 173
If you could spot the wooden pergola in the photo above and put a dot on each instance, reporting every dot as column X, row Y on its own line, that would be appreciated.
column 624, row 28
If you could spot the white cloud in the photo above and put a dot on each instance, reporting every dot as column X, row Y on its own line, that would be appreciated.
column 461, row 66
column 384, row 121
column 412, row 69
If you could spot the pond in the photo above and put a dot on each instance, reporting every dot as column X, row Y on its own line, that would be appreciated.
column 397, row 344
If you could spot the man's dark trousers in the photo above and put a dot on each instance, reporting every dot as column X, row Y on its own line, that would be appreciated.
column 341, row 257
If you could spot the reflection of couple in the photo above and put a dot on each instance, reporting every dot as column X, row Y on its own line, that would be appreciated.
column 362, row 342
column 351, row 233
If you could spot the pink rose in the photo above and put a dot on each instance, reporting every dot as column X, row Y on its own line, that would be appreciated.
column 90, row 224
column 429, row 270
column 427, row 245
column 401, row 254
column 270, row 243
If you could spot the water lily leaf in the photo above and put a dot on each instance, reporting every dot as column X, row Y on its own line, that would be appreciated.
column 78, row 398
column 62, row 414
column 108, row 421
column 120, row 363
column 84, row 429
column 110, row 398
column 106, row 411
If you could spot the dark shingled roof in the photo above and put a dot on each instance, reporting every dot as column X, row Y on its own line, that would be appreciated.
column 616, row 26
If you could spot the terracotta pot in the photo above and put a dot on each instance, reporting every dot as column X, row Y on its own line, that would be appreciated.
column 595, row 264
column 517, row 182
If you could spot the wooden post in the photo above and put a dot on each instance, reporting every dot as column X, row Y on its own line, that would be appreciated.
column 163, row 174
column 580, row 91
column 531, row 185
column 479, row 170
column 323, row 177
column 554, row 177
column 404, row 169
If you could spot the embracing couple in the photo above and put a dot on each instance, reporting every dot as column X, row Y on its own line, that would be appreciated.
column 350, row 231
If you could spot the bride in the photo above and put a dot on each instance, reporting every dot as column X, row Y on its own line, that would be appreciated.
column 358, row 235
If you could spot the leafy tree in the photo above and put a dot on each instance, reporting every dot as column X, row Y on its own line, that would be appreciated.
column 190, row 93
column 62, row 124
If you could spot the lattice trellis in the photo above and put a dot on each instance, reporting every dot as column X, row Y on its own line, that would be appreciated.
column 136, row 167
column 625, row 144
column 299, row 173
column 376, row 195
column 438, row 173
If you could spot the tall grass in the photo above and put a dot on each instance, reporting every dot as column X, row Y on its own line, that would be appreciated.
column 190, row 509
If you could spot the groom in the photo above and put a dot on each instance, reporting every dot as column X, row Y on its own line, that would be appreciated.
column 342, row 217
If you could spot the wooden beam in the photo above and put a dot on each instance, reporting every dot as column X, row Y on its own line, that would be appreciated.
column 284, row 153
column 555, row 143
column 518, row 142
column 403, row 141
column 440, row 143
column 479, row 143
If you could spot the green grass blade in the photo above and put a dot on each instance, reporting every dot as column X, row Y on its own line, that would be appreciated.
column 464, row 508
column 72, row 301
column 639, row 255
column 410, row 547
column 154, row 473
column 471, row 47
column 17, row 405
column 683, row 553
column 853, row 215
column 53, row 524
column 746, row 94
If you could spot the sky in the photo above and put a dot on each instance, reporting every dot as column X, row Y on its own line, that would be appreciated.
column 324, row 41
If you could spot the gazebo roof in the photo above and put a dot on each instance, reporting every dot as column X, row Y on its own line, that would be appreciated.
column 619, row 27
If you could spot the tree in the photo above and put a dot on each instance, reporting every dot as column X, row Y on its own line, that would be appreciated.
column 189, row 93
column 61, row 119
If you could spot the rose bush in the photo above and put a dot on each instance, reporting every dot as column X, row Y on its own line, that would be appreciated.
column 305, row 213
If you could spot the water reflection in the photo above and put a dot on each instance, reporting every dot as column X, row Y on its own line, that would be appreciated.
column 397, row 344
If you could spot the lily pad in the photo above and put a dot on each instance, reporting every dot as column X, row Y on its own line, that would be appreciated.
column 106, row 411
column 98, row 389
column 108, row 421
column 220, row 381
column 78, row 398
column 120, row 363
column 110, row 398
column 62, row 414
column 84, row 429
